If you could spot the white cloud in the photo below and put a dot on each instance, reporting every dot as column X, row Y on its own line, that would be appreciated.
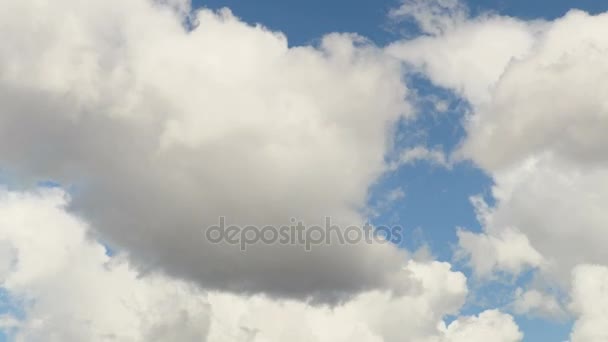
column 71, row 290
column 372, row 316
column 159, row 131
column 589, row 301
column 537, row 127
column 498, row 249
column 420, row 153
column 162, row 131
column 548, row 102
column 559, row 210
column 536, row 303
column 470, row 57
column 491, row 325
column 509, row 252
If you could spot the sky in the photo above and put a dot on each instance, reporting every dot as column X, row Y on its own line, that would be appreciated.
column 129, row 128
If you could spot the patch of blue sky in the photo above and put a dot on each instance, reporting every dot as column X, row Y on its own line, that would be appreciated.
column 436, row 199
column 12, row 307
column 48, row 184
column 500, row 293
column 435, row 203
column 543, row 9
column 305, row 22
column 540, row 329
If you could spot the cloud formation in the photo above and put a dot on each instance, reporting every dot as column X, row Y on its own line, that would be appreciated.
column 160, row 120
column 537, row 126
column 68, row 289
column 539, row 138
column 160, row 130
column 589, row 300
column 71, row 290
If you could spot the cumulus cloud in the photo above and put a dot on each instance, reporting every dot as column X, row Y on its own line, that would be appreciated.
column 160, row 120
column 498, row 249
column 537, row 303
column 470, row 57
column 372, row 316
column 69, row 289
column 491, row 325
column 537, row 126
column 160, row 130
column 589, row 301
column 558, row 209
column 549, row 102
column 539, row 138
column 509, row 252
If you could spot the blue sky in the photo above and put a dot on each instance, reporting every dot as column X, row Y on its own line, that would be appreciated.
column 305, row 21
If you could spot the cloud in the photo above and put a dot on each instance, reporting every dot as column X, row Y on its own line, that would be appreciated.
column 471, row 55
column 589, row 301
column 160, row 130
column 536, row 303
column 420, row 153
column 491, row 325
column 157, row 130
column 372, row 316
column 433, row 17
column 548, row 102
column 538, row 137
column 509, row 252
column 537, row 126
column 558, row 209
column 69, row 289
column 498, row 249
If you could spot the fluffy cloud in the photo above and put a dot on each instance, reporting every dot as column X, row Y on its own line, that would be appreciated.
column 491, row 325
column 471, row 55
column 589, row 301
column 537, row 127
column 71, row 290
column 160, row 130
column 505, row 249
column 372, row 316
column 539, row 137
column 536, row 303
column 509, row 252
column 549, row 102
column 558, row 210
column 157, row 130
